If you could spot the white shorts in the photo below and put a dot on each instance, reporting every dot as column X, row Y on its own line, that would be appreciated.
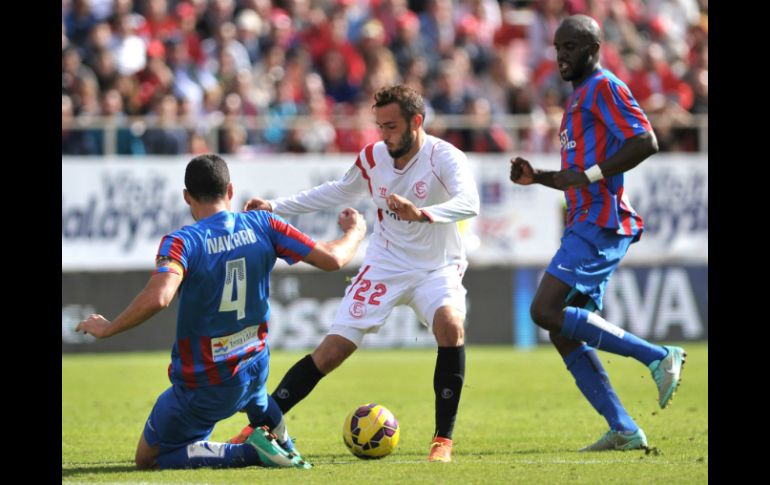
column 374, row 293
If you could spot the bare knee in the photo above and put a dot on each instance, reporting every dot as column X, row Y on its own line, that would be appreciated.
column 146, row 455
column 546, row 317
column 332, row 352
column 448, row 327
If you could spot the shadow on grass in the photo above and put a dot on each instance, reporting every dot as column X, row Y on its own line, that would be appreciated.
column 337, row 459
column 97, row 469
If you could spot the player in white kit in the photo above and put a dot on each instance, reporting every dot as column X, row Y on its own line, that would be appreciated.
column 422, row 186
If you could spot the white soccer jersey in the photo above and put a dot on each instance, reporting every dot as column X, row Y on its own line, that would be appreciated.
column 438, row 180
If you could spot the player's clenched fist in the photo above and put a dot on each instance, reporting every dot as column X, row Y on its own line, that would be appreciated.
column 522, row 172
column 96, row 325
column 257, row 204
column 352, row 220
column 404, row 207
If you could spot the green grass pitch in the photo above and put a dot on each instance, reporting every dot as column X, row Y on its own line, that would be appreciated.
column 521, row 420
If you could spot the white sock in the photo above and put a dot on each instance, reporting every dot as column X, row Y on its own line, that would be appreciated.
column 281, row 431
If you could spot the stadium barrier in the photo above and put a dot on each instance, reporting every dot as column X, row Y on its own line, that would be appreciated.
column 659, row 303
column 115, row 210
column 109, row 129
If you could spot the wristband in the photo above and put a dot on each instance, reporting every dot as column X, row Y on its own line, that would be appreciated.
column 594, row 173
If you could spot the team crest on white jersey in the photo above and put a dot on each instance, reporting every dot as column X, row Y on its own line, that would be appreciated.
column 420, row 189
column 357, row 310
column 566, row 143
column 383, row 192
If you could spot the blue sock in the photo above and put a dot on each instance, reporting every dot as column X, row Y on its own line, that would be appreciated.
column 594, row 383
column 209, row 454
column 582, row 325
column 273, row 418
column 273, row 414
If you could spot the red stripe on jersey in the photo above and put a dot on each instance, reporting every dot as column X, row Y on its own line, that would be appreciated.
column 208, row 361
column 605, row 90
column 580, row 155
column 176, row 249
column 232, row 364
column 188, row 368
column 577, row 134
column 562, row 128
column 379, row 214
column 587, row 200
column 364, row 174
column 282, row 251
column 604, row 214
column 360, row 275
column 632, row 213
column 600, row 138
column 247, row 355
column 625, row 223
column 369, row 154
column 635, row 112
column 262, row 334
column 291, row 231
column 625, row 214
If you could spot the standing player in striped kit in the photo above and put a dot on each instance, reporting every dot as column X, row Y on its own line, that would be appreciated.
column 603, row 133
column 421, row 186
column 219, row 362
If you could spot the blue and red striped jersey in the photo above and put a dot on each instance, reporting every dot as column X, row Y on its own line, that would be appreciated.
column 599, row 117
column 223, row 298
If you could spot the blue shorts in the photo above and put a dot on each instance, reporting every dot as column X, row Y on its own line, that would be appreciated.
column 587, row 258
column 182, row 416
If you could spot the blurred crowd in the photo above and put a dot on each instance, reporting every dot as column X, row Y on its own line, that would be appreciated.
column 299, row 75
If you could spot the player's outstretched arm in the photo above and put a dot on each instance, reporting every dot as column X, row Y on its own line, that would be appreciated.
column 334, row 255
column 157, row 295
column 522, row 173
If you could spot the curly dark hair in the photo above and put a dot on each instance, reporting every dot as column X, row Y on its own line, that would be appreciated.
column 409, row 100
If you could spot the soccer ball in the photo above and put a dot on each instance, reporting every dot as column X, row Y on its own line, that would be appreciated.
column 370, row 431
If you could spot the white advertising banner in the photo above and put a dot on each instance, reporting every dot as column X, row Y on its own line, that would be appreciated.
column 671, row 193
column 516, row 224
column 523, row 224
column 114, row 211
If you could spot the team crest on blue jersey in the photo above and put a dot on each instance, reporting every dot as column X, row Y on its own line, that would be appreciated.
column 566, row 143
